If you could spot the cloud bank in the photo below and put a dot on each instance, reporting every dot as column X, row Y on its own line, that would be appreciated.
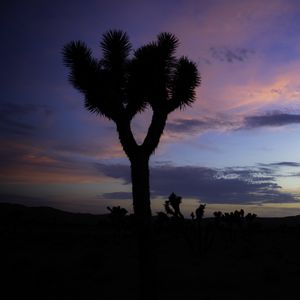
column 181, row 126
column 209, row 185
column 271, row 120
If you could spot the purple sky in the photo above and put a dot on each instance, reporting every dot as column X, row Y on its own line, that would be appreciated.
column 238, row 146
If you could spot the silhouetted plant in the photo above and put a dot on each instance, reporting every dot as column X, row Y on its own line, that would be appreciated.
column 162, row 220
column 241, row 213
column 235, row 223
column 250, row 222
column 218, row 218
column 117, row 217
column 250, row 217
column 176, row 219
column 117, row 212
column 216, row 229
column 199, row 213
column 230, row 220
column 162, row 216
column 172, row 206
column 192, row 216
column 119, row 86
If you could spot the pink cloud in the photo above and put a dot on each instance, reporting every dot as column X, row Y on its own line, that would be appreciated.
column 23, row 163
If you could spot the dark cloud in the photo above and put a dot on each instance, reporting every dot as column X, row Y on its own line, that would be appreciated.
column 182, row 125
column 195, row 126
column 198, row 125
column 213, row 185
column 116, row 196
column 282, row 164
column 276, row 167
column 231, row 55
column 271, row 120
column 229, row 185
column 21, row 119
column 188, row 126
column 115, row 171
column 191, row 126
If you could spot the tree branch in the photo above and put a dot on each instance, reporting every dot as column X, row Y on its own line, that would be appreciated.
column 155, row 131
column 126, row 137
column 184, row 83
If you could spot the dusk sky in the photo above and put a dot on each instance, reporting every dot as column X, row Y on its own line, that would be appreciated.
column 236, row 147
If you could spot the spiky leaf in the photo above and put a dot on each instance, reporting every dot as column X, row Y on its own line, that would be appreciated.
column 185, row 80
column 87, row 75
column 115, row 47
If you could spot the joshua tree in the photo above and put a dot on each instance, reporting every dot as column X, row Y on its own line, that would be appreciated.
column 200, row 212
column 124, row 83
column 172, row 206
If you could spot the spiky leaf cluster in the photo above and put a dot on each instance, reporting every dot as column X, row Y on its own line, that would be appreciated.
column 122, row 84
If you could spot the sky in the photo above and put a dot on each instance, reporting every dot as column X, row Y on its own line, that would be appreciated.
column 236, row 147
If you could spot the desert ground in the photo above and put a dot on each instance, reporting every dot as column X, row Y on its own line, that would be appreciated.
column 51, row 254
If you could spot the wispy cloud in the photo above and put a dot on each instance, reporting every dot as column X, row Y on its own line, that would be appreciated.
column 225, row 54
column 181, row 127
column 21, row 119
column 271, row 120
column 21, row 163
column 115, row 196
column 186, row 127
column 195, row 125
column 282, row 169
column 282, row 164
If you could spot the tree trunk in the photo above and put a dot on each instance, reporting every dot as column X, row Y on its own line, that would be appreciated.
column 142, row 212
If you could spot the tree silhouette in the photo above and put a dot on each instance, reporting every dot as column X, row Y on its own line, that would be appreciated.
column 122, row 84
column 172, row 206
column 117, row 217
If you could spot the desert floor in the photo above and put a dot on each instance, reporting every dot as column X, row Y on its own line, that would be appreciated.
column 49, row 254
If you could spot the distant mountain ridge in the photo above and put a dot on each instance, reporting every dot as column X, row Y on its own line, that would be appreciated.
column 44, row 214
column 48, row 215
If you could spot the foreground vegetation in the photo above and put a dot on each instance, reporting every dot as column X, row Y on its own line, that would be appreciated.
column 50, row 254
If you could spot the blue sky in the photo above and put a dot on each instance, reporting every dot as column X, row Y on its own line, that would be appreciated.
column 240, row 137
